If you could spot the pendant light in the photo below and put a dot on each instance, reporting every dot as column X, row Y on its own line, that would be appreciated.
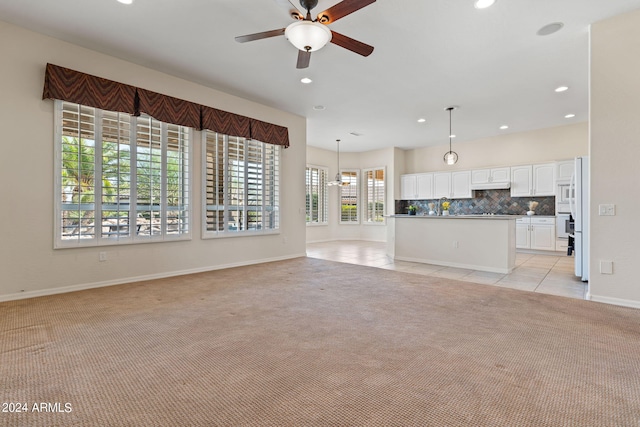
column 338, row 180
column 450, row 157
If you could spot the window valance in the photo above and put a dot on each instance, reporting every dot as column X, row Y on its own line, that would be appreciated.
column 73, row 86
column 226, row 123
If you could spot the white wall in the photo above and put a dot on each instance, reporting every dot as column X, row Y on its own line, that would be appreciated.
column 615, row 150
column 28, row 264
column 557, row 143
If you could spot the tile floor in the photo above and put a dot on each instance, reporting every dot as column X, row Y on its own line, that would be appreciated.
column 547, row 274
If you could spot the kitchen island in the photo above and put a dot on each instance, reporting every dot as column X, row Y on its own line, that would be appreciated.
column 477, row 242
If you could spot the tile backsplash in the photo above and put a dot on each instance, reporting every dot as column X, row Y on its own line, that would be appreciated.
column 497, row 202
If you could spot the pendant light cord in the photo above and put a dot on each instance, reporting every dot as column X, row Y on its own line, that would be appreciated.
column 450, row 110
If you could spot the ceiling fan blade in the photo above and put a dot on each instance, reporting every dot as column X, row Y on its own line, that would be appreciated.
column 260, row 36
column 342, row 9
column 303, row 59
column 351, row 44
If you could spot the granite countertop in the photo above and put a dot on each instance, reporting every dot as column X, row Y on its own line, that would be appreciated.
column 490, row 217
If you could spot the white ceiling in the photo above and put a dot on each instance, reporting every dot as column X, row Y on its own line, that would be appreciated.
column 429, row 54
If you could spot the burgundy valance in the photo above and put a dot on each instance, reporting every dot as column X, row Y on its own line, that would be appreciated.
column 73, row 86
column 80, row 88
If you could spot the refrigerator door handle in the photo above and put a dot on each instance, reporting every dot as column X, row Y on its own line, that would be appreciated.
column 572, row 195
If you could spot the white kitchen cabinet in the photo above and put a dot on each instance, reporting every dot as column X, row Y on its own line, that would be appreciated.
column 562, row 245
column 521, row 183
column 564, row 170
column 408, row 187
column 461, row 185
column 416, row 186
column 452, row 185
column 425, row 186
column 533, row 180
column 523, row 233
column 487, row 176
column 441, row 185
column 544, row 179
column 537, row 233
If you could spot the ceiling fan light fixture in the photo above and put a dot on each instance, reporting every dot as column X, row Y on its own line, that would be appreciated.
column 483, row 4
column 308, row 36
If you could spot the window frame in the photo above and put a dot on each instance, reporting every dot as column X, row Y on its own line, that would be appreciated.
column 365, row 195
column 323, row 196
column 218, row 234
column 356, row 197
column 130, row 237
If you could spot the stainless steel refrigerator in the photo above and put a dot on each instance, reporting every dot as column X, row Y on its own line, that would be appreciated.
column 579, row 204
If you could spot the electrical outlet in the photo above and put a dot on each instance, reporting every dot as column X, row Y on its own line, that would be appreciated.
column 102, row 256
column 607, row 210
column 455, row 244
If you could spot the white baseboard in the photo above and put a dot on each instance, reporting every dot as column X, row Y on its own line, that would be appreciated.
column 457, row 265
column 121, row 281
column 614, row 301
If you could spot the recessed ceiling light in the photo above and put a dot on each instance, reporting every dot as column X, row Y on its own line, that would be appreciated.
column 452, row 136
column 319, row 107
column 569, row 116
column 483, row 4
column 550, row 29
column 562, row 88
column 503, row 127
column 126, row 1
column 422, row 120
column 306, row 80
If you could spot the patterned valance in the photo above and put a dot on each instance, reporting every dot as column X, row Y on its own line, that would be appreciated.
column 226, row 123
column 269, row 133
column 73, row 86
column 168, row 109
column 69, row 85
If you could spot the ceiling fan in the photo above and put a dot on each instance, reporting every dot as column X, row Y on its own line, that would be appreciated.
column 309, row 35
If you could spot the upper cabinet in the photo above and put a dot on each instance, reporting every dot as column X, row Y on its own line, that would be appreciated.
column 441, row 185
column 452, row 185
column 564, row 170
column 487, row 176
column 461, row 185
column 408, row 187
column 525, row 181
column 416, row 186
column 425, row 186
column 521, row 183
column 544, row 179
column 533, row 180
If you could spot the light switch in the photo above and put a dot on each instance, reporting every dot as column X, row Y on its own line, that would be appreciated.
column 607, row 210
column 606, row 267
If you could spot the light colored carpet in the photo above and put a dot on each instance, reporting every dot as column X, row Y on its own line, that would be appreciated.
column 308, row 342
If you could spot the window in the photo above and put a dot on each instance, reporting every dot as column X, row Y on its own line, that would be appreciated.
column 316, row 199
column 349, row 197
column 240, row 185
column 374, row 195
column 120, row 179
